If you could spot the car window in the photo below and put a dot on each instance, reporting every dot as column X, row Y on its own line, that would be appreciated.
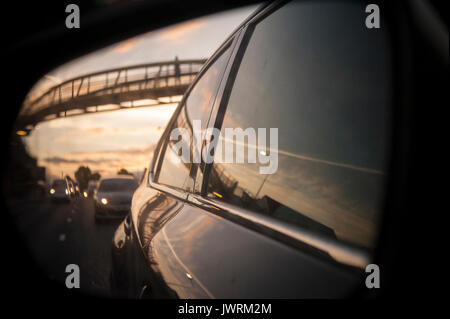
column 117, row 185
column 59, row 185
column 197, row 107
column 318, row 75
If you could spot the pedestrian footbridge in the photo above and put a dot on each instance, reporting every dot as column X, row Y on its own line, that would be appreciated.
column 114, row 89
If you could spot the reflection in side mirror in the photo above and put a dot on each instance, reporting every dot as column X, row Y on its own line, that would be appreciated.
column 95, row 117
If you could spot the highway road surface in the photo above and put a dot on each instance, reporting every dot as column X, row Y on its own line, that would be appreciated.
column 59, row 234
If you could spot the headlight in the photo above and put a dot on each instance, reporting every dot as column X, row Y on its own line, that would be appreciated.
column 85, row 194
column 52, row 191
column 104, row 201
column 67, row 192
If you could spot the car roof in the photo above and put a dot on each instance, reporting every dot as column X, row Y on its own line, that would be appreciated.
column 258, row 10
column 117, row 177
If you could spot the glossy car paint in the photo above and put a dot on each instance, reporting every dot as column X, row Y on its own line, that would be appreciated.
column 190, row 252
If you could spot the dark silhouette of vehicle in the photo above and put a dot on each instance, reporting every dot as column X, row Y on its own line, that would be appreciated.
column 76, row 190
column 59, row 190
column 92, row 186
column 71, row 189
column 113, row 197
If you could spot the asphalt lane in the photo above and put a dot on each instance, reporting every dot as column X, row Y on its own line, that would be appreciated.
column 59, row 234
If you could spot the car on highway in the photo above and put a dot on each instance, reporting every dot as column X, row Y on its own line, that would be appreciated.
column 59, row 190
column 92, row 186
column 77, row 190
column 71, row 188
column 113, row 197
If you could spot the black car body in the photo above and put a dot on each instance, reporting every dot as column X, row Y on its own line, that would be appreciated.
column 319, row 74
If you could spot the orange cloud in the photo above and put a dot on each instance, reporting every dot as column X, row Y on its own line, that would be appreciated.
column 127, row 45
column 105, row 162
column 180, row 30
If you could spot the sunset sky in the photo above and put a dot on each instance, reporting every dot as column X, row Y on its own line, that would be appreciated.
column 109, row 141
